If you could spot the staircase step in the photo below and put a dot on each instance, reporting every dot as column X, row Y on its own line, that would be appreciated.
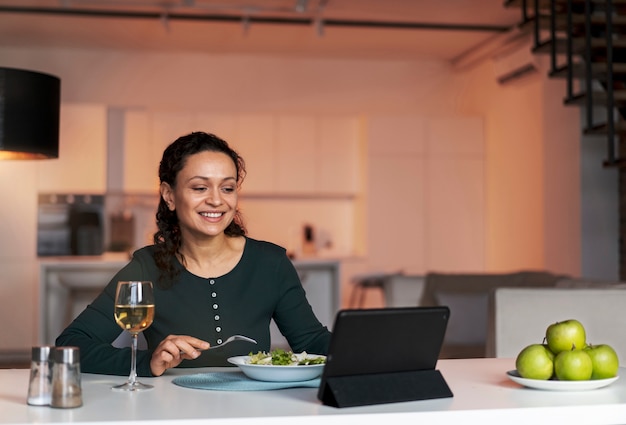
column 598, row 71
column 578, row 45
column 545, row 4
column 598, row 22
column 602, row 129
column 598, row 98
column 616, row 163
column 578, row 22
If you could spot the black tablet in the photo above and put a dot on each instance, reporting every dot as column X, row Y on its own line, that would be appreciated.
column 385, row 355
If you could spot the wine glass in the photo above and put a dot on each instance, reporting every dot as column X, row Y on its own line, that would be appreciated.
column 134, row 312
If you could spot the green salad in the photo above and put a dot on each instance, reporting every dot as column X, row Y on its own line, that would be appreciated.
column 279, row 357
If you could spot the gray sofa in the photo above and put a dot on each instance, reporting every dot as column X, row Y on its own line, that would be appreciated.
column 467, row 296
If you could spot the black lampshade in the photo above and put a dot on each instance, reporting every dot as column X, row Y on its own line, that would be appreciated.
column 30, row 104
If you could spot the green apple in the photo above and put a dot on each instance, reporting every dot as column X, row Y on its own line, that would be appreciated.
column 565, row 335
column 573, row 365
column 604, row 360
column 535, row 362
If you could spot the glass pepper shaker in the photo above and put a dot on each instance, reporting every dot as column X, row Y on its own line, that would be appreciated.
column 40, row 383
column 66, row 385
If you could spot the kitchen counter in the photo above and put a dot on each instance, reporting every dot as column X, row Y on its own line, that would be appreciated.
column 482, row 394
column 68, row 284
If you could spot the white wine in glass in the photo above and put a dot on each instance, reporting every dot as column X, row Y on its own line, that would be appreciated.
column 134, row 312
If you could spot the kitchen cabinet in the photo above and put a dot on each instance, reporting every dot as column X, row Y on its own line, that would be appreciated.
column 68, row 284
column 254, row 140
column 317, row 155
column 455, row 198
column 145, row 135
column 297, row 155
column 81, row 166
column 139, row 161
column 341, row 154
column 285, row 155
column 437, row 165
column 223, row 126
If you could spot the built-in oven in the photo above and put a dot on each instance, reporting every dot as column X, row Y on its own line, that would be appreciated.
column 70, row 224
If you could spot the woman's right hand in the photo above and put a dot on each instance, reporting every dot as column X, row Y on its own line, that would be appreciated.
column 173, row 350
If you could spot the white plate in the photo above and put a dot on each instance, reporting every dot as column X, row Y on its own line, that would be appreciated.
column 273, row 373
column 556, row 385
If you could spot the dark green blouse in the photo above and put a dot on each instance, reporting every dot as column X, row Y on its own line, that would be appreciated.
column 263, row 285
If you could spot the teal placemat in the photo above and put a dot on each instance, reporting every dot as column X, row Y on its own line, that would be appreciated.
column 236, row 381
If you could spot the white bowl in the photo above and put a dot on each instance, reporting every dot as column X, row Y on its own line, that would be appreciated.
column 555, row 385
column 274, row 373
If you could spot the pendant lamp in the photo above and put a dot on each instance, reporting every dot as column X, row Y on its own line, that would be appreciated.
column 30, row 104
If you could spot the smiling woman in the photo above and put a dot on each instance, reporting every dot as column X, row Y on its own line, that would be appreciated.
column 212, row 281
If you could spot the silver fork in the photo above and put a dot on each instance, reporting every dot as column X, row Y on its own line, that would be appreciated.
column 229, row 339
column 233, row 338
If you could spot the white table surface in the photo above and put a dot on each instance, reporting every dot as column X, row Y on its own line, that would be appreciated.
column 482, row 394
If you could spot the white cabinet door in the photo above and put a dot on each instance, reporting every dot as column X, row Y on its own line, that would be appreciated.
column 81, row 166
column 455, row 208
column 256, row 143
column 147, row 135
column 455, row 199
column 318, row 155
column 426, row 177
column 221, row 125
column 395, row 195
column 140, row 160
column 284, row 155
column 167, row 127
column 339, row 156
column 296, row 155
column 397, row 188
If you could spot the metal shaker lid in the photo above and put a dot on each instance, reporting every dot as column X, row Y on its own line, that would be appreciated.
column 66, row 355
column 41, row 353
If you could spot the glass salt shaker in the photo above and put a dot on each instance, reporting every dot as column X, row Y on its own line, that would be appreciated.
column 40, row 383
column 66, row 386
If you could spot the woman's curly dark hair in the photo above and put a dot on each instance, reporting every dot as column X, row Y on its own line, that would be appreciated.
column 167, row 239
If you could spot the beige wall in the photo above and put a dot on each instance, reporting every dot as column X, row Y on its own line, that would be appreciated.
column 532, row 172
column 196, row 82
column 514, row 170
column 563, row 182
column 515, row 135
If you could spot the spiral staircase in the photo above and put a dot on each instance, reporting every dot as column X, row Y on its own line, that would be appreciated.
column 586, row 42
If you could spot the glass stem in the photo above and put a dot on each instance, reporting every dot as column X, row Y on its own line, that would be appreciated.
column 133, row 359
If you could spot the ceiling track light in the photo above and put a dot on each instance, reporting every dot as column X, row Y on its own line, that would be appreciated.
column 319, row 26
column 256, row 15
column 245, row 23
column 165, row 21
column 318, row 21
column 301, row 5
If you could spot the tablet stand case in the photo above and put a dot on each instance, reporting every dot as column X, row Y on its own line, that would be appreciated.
column 405, row 370
column 380, row 388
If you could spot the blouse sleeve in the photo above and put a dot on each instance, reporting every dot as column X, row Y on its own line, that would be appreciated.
column 295, row 317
